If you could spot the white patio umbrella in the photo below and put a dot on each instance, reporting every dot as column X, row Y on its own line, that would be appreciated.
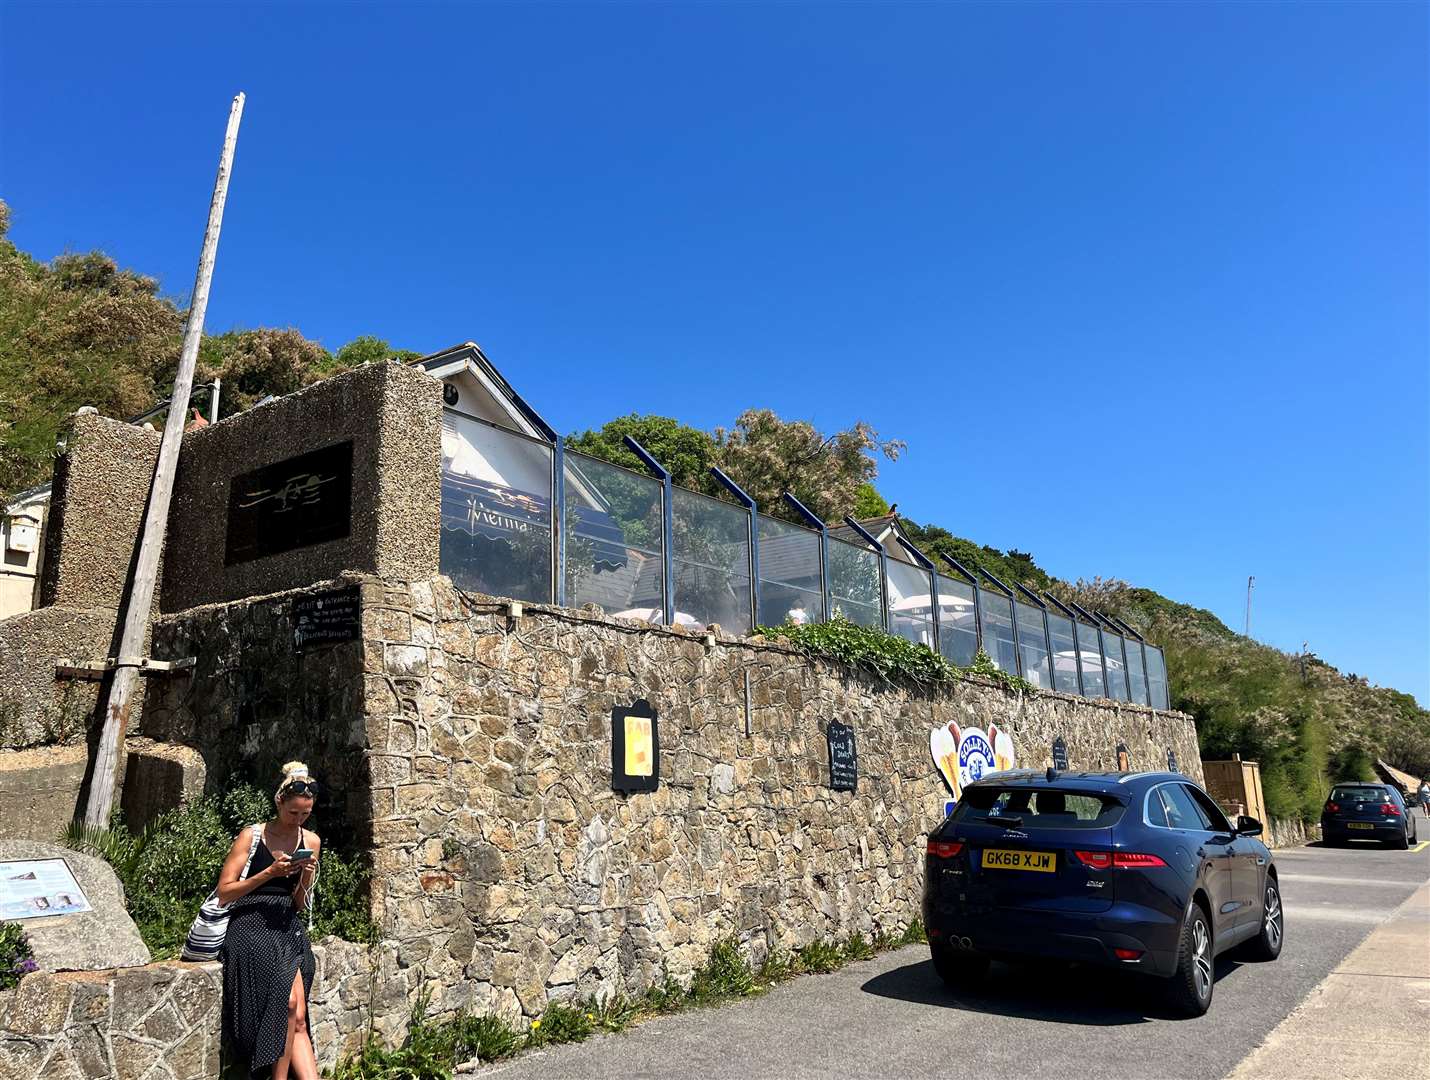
column 655, row 615
column 924, row 602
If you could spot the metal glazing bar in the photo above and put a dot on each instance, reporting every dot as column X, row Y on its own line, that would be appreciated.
column 883, row 568
column 932, row 571
column 816, row 522
column 558, row 491
column 959, row 568
column 1077, row 642
column 754, row 536
column 667, row 524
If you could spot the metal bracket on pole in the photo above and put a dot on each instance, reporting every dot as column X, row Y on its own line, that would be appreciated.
column 816, row 522
column 749, row 504
column 66, row 668
column 883, row 568
column 667, row 524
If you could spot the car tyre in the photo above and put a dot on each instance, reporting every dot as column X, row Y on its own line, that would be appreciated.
column 1266, row 945
column 959, row 969
column 1189, row 990
column 1401, row 842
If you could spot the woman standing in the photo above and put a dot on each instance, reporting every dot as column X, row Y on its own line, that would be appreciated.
column 267, row 960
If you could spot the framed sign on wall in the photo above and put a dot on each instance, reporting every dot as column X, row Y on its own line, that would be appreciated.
column 843, row 757
column 635, row 747
column 1060, row 754
column 292, row 504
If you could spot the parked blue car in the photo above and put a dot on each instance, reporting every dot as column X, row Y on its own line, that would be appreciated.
column 1138, row 871
column 1367, row 812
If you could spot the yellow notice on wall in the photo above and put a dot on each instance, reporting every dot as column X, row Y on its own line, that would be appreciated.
column 640, row 755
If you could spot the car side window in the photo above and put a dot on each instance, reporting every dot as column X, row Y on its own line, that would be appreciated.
column 1211, row 813
column 1156, row 812
column 1181, row 811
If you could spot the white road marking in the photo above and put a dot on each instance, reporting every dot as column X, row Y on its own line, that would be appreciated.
column 1329, row 913
column 1326, row 879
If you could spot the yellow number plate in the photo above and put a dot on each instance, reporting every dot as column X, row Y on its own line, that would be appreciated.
column 1359, row 825
column 1001, row 859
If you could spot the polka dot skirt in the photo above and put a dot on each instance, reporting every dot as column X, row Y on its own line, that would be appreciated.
column 264, row 947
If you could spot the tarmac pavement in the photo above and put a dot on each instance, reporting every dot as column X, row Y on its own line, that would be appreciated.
column 892, row 1016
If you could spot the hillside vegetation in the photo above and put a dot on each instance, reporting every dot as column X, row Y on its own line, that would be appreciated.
column 80, row 331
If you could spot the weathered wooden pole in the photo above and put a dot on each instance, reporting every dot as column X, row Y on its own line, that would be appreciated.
column 156, row 516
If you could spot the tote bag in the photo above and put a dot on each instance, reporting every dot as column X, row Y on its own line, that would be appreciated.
column 211, row 923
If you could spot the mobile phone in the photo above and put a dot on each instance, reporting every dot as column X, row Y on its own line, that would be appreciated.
column 300, row 854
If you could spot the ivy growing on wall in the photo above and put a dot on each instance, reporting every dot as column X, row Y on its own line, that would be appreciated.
column 888, row 656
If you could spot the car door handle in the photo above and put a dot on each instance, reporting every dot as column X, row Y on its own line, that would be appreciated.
column 1260, row 861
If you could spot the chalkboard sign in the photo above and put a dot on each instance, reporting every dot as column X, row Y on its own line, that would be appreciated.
column 1124, row 758
column 635, row 747
column 327, row 618
column 1172, row 760
column 296, row 503
column 843, row 757
column 1060, row 754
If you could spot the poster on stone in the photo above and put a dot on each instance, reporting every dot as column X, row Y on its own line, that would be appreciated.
column 327, row 618
column 1060, row 754
column 296, row 503
column 36, row 888
column 843, row 757
column 635, row 748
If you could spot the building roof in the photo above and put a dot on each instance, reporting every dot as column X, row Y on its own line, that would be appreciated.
column 885, row 528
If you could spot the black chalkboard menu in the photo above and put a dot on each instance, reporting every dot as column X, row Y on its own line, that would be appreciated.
column 843, row 757
column 296, row 503
column 1060, row 754
column 327, row 618
column 1172, row 760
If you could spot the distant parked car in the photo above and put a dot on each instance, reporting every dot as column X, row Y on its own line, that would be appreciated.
column 1137, row 871
column 1367, row 812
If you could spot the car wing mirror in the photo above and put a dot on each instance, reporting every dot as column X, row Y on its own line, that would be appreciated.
column 1248, row 826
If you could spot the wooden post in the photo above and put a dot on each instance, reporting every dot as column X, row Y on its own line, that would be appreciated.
column 156, row 516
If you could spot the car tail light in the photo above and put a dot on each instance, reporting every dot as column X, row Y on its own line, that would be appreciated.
column 1390, row 810
column 1333, row 808
column 1127, row 954
column 1098, row 860
column 1128, row 860
column 945, row 849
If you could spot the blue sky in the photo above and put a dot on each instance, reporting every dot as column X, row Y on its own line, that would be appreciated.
column 1144, row 287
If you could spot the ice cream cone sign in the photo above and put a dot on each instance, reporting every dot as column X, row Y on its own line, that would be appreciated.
column 963, row 755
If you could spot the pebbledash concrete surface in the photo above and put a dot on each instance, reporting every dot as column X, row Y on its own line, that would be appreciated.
column 469, row 752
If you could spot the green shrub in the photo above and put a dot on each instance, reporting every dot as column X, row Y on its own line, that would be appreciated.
column 856, row 948
column 16, row 960
column 819, row 958
column 562, row 1023
column 168, row 869
column 725, row 974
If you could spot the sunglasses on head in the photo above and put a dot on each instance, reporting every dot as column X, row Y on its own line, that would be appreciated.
column 308, row 788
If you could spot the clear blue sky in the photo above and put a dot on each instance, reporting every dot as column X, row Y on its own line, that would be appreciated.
column 1143, row 287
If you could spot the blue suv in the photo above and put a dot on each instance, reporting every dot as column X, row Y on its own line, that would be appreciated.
column 1139, row 871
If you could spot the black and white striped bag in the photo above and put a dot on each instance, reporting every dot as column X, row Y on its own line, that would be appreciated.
column 211, row 923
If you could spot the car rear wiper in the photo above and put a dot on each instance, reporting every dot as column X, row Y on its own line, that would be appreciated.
column 1008, row 821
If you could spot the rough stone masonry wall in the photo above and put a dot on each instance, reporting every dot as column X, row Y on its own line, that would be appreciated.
column 161, row 1021
column 510, row 874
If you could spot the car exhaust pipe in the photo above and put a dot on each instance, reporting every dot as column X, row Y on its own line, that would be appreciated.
column 965, row 943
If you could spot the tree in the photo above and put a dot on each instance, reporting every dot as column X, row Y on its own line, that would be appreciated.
column 768, row 456
column 868, row 503
column 256, row 363
column 686, row 451
column 368, row 349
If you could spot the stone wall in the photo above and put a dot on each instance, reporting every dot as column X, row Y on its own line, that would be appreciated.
column 393, row 416
column 470, row 753
column 161, row 1021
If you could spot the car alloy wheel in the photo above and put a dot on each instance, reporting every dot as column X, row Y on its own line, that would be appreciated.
column 1202, row 958
column 1271, row 921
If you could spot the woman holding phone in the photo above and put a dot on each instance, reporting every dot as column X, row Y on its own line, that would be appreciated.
column 267, row 959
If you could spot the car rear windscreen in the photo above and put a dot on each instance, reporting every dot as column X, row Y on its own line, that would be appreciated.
column 1041, row 808
column 1359, row 794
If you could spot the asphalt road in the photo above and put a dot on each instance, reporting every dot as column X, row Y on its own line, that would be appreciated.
column 892, row 1016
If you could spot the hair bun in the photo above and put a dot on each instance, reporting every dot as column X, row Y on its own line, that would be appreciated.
column 293, row 767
